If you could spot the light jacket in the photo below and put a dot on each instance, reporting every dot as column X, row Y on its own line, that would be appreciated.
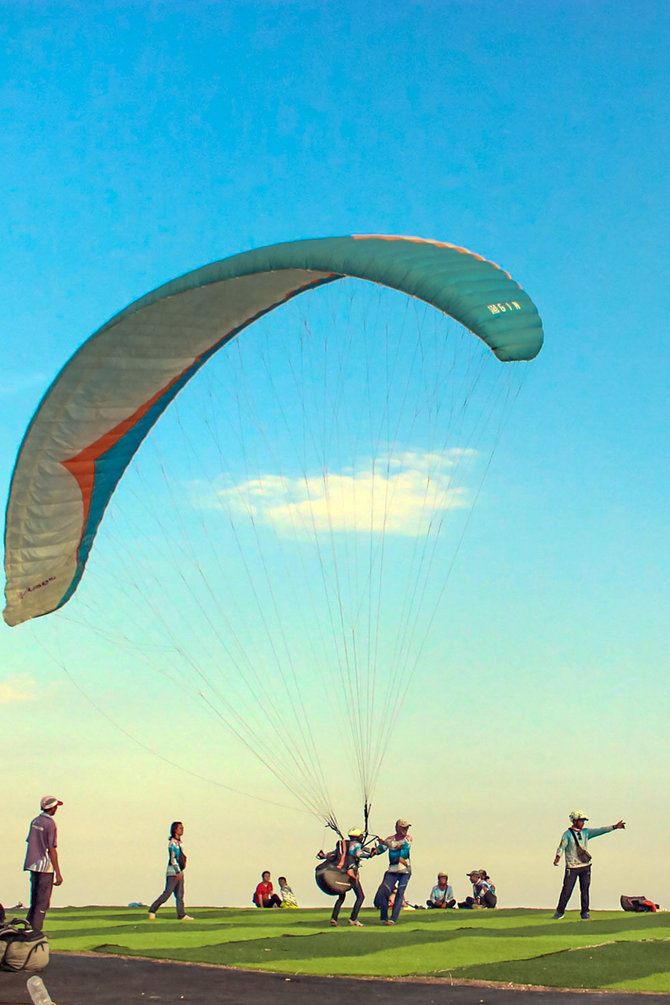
column 569, row 845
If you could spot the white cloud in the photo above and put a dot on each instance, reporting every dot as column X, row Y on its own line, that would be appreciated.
column 16, row 690
column 401, row 493
column 15, row 383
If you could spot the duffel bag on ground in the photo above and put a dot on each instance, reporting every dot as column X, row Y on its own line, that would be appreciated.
column 637, row 904
column 22, row 948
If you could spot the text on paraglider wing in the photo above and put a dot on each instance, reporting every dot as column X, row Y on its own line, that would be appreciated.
column 31, row 589
column 511, row 305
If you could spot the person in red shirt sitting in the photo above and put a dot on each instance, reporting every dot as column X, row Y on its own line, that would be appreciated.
column 264, row 895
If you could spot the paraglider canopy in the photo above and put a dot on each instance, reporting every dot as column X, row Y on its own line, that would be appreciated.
column 106, row 399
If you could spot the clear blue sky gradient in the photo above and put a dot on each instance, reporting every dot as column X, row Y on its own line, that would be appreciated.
column 143, row 140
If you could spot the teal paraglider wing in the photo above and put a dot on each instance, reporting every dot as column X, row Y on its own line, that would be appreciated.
column 104, row 402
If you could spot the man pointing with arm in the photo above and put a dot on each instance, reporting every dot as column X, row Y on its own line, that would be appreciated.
column 574, row 844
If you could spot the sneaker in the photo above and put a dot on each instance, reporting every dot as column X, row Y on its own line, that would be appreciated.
column 334, row 923
column 389, row 922
column 586, row 916
column 187, row 917
column 356, row 924
column 558, row 916
column 152, row 916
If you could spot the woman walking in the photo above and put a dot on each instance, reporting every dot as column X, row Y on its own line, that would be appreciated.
column 174, row 874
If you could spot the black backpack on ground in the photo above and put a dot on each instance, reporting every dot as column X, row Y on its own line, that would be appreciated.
column 21, row 947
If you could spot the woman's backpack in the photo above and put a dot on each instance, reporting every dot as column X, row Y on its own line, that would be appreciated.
column 22, row 948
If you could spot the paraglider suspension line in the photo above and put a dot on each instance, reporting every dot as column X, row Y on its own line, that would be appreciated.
column 332, row 823
column 366, row 818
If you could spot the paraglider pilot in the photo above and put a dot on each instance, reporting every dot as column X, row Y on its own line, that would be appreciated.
column 347, row 856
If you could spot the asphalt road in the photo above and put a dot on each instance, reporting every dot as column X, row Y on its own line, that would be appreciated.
column 73, row 979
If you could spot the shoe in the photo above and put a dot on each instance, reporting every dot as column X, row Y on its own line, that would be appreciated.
column 152, row 916
column 389, row 922
column 586, row 916
column 334, row 923
column 187, row 917
column 558, row 916
column 356, row 924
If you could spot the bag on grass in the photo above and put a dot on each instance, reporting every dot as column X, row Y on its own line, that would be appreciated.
column 22, row 948
column 638, row 904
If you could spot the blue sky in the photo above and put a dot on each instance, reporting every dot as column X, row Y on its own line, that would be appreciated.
column 143, row 140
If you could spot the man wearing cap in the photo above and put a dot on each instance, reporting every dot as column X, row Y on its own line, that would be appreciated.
column 483, row 892
column 42, row 861
column 575, row 843
column 398, row 873
column 442, row 894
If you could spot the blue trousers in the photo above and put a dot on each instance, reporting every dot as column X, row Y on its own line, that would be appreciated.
column 392, row 881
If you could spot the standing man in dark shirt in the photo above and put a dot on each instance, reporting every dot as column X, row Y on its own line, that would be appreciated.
column 42, row 861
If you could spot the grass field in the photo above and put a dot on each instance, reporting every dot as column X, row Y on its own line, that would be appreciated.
column 613, row 950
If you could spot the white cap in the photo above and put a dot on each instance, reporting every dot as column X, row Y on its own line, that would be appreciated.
column 48, row 802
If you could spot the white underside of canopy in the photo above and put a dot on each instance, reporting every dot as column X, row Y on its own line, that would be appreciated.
column 107, row 383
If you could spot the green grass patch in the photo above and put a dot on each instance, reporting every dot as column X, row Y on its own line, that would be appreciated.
column 623, row 965
column 614, row 950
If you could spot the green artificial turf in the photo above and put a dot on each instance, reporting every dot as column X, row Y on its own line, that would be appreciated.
column 632, row 965
column 613, row 950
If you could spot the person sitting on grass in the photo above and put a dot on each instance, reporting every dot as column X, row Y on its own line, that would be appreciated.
column 442, row 894
column 482, row 893
column 405, row 906
column 286, row 893
column 487, row 879
column 264, row 895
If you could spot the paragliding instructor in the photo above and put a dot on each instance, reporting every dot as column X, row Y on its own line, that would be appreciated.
column 398, row 873
column 575, row 843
